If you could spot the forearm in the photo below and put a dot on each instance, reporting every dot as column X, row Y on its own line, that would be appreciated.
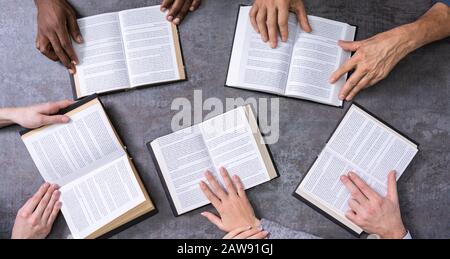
column 432, row 26
column 6, row 117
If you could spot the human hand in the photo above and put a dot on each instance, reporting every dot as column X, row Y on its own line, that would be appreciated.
column 247, row 232
column 270, row 18
column 373, row 60
column 39, row 115
column 178, row 9
column 35, row 219
column 232, row 204
column 57, row 22
column 373, row 213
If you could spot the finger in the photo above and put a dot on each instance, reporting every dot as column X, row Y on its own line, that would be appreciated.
column 392, row 186
column 195, row 4
column 261, row 19
column 44, row 201
column 283, row 23
column 174, row 9
column 363, row 83
column 355, row 206
column 342, row 70
column 184, row 10
column 351, row 215
column 351, row 83
column 253, row 14
column 48, row 210
column 165, row 5
column 363, row 187
column 239, row 186
column 74, row 30
column 53, row 107
column 215, row 185
column 33, row 202
column 214, row 219
column 66, row 45
column 236, row 232
column 248, row 233
column 54, row 119
column 44, row 46
column 272, row 27
column 231, row 189
column 302, row 17
column 65, row 60
column 349, row 45
column 215, row 201
column 260, row 235
column 354, row 191
column 54, row 213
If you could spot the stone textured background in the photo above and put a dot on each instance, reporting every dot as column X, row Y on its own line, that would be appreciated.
column 414, row 98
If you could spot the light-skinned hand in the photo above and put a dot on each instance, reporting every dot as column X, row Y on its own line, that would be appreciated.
column 270, row 18
column 35, row 219
column 232, row 204
column 372, row 212
column 247, row 232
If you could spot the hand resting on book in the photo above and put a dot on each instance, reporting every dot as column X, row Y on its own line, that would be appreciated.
column 270, row 18
column 236, row 214
column 373, row 213
column 35, row 219
column 35, row 116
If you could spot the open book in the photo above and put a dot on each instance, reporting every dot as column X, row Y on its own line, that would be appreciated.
column 299, row 68
column 100, row 187
column 363, row 144
column 125, row 50
column 231, row 140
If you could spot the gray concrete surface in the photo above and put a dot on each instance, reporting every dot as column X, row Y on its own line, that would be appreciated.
column 414, row 98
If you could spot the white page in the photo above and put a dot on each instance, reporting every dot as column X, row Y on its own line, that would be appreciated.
column 361, row 144
column 315, row 57
column 64, row 152
column 183, row 159
column 102, row 64
column 254, row 64
column 231, row 144
column 149, row 46
column 96, row 199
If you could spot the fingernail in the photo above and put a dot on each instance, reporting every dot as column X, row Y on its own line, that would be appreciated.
column 203, row 214
column 65, row 119
column 170, row 18
column 71, row 71
column 163, row 9
column 343, row 179
column 176, row 21
column 349, row 98
column 59, row 204
column 191, row 8
column 46, row 184
column 74, row 62
column 80, row 39
column 57, row 193
column 341, row 97
column 265, row 233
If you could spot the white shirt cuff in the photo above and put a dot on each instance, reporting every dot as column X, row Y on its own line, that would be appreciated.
column 407, row 236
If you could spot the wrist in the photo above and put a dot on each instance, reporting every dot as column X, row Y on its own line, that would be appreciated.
column 7, row 116
column 396, row 233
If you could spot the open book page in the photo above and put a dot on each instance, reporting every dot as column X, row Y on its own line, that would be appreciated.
column 232, row 145
column 183, row 159
column 102, row 64
column 149, row 46
column 315, row 57
column 94, row 200
column 65, row 152
column 254, row 64
column 361, row 144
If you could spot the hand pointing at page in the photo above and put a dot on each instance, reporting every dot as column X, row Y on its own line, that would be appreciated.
column 270, row 18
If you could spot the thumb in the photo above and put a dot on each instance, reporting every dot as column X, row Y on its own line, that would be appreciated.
column 55, row 119
column 74, row 30
column 214, row 219
column 392, row 186
column 349, row 45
